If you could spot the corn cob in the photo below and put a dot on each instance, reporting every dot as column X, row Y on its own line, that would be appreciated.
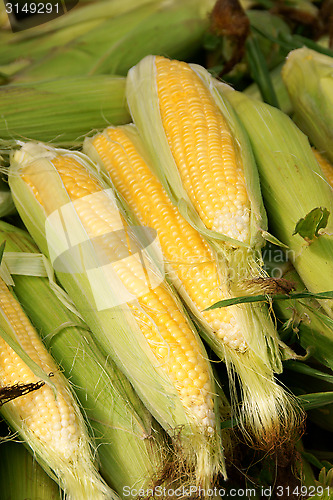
column 130, row 446
column 307, row 75
column 49, row 423
column 186, row 133
column 140, row 325
column 71, row 106
column 189, row 260
column 290, row 177
column 33, row 482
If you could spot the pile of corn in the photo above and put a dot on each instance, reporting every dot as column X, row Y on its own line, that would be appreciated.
column 140, row 351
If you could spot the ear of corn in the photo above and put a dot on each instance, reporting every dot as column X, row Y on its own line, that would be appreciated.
column 22, row 477
column 157, row 84
column 112, row 44
column 71, row 106
column 202, row 156
column 307, row 75
column 188, row 258
column 66, row 29
column 130, row 446
column 290, row 177
column 145, row 331
column 51, row 424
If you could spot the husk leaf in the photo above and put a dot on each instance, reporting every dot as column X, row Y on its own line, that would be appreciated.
column 61, row 111
column 16, row 462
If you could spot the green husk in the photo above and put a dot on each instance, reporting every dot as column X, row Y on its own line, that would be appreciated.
column 99, row 10
column 307, row 75
column 113, row 325
column 62, row 30
column 22, row 477
column 112, row 45
column 303, row 467
column 265, row 28
column 60, row 111
column 292, row 186
column 266, row 410
column 130, row 445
